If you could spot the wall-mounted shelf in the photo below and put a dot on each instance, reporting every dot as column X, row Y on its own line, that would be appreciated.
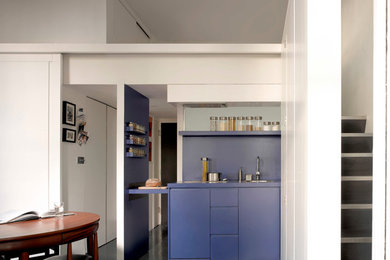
column 229, row 133
column 132, row 130
column 132, row 143
column 131, row 155
column 147, row 191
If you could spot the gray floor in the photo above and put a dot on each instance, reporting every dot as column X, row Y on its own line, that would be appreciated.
column 158, row 247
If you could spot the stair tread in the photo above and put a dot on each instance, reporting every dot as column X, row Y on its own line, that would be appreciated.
column 356, row 154
column 353, row 118
column 356, row 239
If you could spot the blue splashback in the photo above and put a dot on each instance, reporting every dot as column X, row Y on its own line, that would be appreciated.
column 229, row 153
column 136, row 212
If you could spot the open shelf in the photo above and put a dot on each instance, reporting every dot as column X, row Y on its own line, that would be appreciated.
column 229, row 133
column 132, row 130
column 146, row 191
column 132, row 143
column 131, row 155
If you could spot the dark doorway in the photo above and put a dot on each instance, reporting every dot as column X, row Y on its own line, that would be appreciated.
column 168, row 163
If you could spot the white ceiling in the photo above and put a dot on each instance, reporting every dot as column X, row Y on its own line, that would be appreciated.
column 157, row 94
column 102, row 93
column 212, row 21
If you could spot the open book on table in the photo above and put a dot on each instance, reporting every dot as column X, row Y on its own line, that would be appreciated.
column 20, row 215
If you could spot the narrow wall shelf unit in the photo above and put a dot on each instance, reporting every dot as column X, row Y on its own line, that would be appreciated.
column 229, row 133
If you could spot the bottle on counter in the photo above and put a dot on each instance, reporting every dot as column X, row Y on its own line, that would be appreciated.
column 213, row 123
column 223, row 126
column 232, row 123
column 205, row 168
column 267, row 126
column 240, row 123
column 249, row 123
column 258, row 123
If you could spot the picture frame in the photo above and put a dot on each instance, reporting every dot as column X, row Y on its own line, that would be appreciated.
column 68, row 135
column 68, row 113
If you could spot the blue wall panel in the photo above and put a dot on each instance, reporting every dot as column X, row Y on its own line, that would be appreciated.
column 136, row 212
column 228, row 154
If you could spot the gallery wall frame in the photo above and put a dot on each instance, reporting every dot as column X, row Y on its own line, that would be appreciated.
column 68, row 113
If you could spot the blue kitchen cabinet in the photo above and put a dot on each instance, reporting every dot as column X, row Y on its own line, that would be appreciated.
column 189, row 223
column 259, row 228
column 224, row 247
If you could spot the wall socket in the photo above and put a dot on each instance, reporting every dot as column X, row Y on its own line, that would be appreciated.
column 80, row 160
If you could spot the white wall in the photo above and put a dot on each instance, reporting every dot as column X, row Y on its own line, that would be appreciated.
column 85, row 185
column 30, row 139
column 121, row 24
column 357, row 59
column 311, row 152
column 47, row 21
column 171, row 68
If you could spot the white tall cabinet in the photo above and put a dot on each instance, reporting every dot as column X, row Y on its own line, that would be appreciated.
column 30, row 132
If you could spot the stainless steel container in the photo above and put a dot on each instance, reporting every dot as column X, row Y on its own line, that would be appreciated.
column 214, row 176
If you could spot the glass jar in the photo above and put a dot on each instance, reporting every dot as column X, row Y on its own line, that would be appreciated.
column 249, row 123
column 213, row 123
column 232, row 123
column 267, row 126
column 258, row 123
column 275, row 126
column 223, row 123
column 240, row 123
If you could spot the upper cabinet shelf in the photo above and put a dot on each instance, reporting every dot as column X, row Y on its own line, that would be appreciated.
column 229, row 133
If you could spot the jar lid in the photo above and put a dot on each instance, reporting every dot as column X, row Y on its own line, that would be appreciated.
column 240, row 118
column 222, row 118
column 267, row 123
column 258, row 118
column 249, row 118
column 213, row 118
column 232, row 118
column 204, row 159
column 275, row 123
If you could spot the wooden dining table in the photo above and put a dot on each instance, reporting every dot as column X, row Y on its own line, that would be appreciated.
column 22, row 237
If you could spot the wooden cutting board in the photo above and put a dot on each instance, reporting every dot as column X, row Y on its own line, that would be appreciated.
column 152, row 188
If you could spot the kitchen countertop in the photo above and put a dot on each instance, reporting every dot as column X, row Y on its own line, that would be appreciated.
column 221, row 184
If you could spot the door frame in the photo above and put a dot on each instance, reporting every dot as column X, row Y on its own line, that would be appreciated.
column 161, row 121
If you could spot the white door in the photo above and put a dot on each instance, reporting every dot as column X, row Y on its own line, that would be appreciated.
column 27, row 88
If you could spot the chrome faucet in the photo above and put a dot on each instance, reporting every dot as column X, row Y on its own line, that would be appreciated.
column 258, row 169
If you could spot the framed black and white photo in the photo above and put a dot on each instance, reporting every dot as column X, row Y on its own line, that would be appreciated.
column 68, row 135
column 68, row 113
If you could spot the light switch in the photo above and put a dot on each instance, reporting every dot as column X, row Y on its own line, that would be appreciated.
column 80, row 160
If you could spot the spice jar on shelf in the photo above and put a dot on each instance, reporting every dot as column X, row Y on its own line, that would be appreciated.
column 223, row 123
column 258, row 123
column 267, row 126
column 275, row 126
column 240, row 123
column 232, row 123
column 249, row 123
column 213, row 123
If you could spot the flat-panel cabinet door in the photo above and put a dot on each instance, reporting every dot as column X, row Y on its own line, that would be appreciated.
column 259, row 230
column 189, row 223
column 224, row 247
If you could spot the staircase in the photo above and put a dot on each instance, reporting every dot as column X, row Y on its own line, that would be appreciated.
column 356, row 189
